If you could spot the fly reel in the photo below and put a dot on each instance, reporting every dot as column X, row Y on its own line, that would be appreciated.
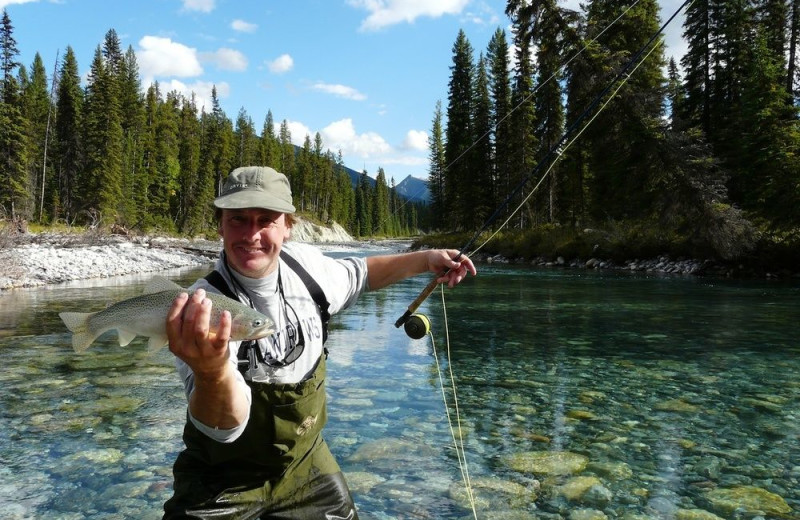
column 417, row 326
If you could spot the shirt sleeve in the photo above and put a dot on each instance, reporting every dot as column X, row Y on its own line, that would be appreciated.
column 217, row 434
column 342, row 280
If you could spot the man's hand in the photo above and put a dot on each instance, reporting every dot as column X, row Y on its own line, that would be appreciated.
column 190, row 337
column 441, row 260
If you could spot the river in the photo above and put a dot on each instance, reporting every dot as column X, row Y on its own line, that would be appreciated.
column 580, row 395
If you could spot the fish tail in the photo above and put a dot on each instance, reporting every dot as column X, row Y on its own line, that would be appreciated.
column 78, row 324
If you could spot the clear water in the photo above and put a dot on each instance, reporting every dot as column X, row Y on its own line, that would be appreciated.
column 666, row 389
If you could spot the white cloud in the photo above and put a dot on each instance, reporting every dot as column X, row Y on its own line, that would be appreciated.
column 204, row 6
column 201, row 89
column 226, row 59
column 281, row 64
column 383, row 13
column 242, row 26
column 4, row 3
column 341, row 135
column 416, row 140
column 160, row 57
column 342, row 91
column 298, row 130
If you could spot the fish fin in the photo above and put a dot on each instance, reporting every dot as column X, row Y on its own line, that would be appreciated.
column 156, row 342
column 159, row 283
column 77, row 323
column 125, row 336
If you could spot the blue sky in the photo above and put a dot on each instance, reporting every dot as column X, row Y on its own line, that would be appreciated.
column 365, row 74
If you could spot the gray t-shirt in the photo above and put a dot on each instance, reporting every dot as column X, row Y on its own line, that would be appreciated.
column 292, row 310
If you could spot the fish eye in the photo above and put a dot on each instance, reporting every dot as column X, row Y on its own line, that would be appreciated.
column 258, row 323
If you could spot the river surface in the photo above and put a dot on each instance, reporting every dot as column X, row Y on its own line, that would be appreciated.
column 580, row 395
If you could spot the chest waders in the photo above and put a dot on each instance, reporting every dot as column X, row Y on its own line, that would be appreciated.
column 279, row 468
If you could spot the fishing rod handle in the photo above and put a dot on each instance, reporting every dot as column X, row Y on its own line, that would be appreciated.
column 417, row 302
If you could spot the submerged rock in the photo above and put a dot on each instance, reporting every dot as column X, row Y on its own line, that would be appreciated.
column 695, row 514
column 752, row 500
column 547, row 462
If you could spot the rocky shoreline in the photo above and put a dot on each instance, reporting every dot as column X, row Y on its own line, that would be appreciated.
column 38, row 259
column 660, row 265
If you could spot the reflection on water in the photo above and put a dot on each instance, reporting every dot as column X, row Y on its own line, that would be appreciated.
column 579, row 393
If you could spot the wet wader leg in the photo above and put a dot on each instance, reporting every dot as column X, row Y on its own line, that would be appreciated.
column 315, row 490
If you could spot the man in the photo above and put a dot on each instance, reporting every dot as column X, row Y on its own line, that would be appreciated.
column 256, row 409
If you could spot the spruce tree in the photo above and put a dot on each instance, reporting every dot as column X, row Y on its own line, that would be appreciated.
column 132, row 119
column 15, row 199
column 193, row 214
column 500, row 95
column 625, row 137
column 523, row 116
column 162, row 200
column 68, row 149
column 37, row 110
column 769, row 183
column 436, row 172
column 246, row 140
column 380, row 205
column 479, row 199
column 551, row 34
column 268, row 146
column 698, row 62
column 458, row 135
column 100, row 183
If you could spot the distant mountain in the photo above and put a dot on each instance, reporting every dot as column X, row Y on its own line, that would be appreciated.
column 414, row 189
column 410, row 188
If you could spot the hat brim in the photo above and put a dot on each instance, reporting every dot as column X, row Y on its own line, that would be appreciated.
column 253, row 199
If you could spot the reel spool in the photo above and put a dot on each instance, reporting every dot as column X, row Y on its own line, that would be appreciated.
column 417, row 326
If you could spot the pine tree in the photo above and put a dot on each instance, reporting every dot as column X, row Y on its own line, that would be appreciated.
column 219, row 143
column 769, row 184
column 676, row 97
column 458, row 135
column 500, row 94
column 246, row 140
column 436, row 173
column 287, row 153
column 380, row 205
column 624, row 139
column 68, row 149
column 193, row 215
column 100, row 183
column 302, row 174
column 162, row 199
column 523, row 116
column 363, row 207
column 479, row 200
column 36, row 111
column 551, row 35
column 132, row 119
column 698, row 62
column 268, row 146
column 15, row 199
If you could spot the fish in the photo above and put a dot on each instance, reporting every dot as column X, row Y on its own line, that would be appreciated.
column 146, row 315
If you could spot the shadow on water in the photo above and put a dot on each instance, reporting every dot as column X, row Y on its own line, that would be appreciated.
column 579, row 392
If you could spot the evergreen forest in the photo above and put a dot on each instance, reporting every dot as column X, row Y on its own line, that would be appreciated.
column 570, row 131
column 575, row 132
column 111, row 155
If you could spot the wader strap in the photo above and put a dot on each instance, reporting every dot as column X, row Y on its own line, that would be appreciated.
column 247, row 353
column 314, row 289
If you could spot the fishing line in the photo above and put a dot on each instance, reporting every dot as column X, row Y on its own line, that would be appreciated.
column 524, row 100
column 560, row 152
column 554, row 150
column 458, row 441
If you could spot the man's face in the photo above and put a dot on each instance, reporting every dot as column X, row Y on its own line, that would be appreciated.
column 252, row 239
